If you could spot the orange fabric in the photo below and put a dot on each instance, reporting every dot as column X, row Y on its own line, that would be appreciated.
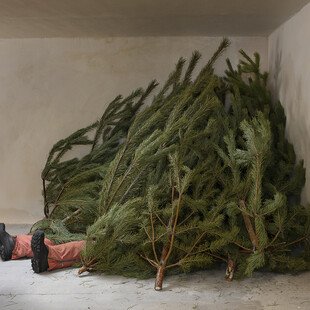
column 22, row 246
column 64, row 255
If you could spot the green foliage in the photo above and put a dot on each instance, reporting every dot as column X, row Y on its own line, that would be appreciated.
column 56, row 231
column 187, row 182
column 266, row 181
column 113, row 240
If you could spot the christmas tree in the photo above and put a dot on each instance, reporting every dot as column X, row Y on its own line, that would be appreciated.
column 261, row 180
column 172, row 177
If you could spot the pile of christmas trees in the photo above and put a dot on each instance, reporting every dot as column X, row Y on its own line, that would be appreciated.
column 202, row 175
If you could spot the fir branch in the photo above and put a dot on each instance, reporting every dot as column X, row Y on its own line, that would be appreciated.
column 187, row 218
column 161, row 221
column 192, row 64
column 76, row 212
column 153, row 263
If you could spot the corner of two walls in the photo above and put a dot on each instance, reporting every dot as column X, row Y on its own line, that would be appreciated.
column 289, row 78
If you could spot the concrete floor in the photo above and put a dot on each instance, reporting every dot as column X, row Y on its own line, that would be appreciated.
column 20, row 288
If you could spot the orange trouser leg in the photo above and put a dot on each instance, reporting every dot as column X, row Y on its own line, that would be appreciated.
column 22, row 246
column 64, row 255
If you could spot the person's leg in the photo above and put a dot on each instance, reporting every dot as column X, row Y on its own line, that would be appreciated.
column 22, row 246
column 64, row 255
column 51, row 257
column 16, row 247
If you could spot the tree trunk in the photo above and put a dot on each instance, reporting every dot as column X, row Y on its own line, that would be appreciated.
column 230, row 269
column 249, row 226
column 87, row 266
column 82, row 270
column 167, row 248
column 159, row 278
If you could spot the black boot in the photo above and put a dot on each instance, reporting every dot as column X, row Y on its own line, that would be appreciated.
column 40, row 252
column 7, row 243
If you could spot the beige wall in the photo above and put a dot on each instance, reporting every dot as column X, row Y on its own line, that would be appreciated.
column 51, row 87
column 289, row 66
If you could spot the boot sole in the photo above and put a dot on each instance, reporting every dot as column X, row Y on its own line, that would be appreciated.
column 6, row 244
column 2, row 255
column 39, row 260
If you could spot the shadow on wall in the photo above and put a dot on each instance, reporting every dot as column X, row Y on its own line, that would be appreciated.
column 275, row 68
column 286, row 85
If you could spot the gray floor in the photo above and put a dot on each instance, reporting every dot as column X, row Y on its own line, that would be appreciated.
column 20, row 288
